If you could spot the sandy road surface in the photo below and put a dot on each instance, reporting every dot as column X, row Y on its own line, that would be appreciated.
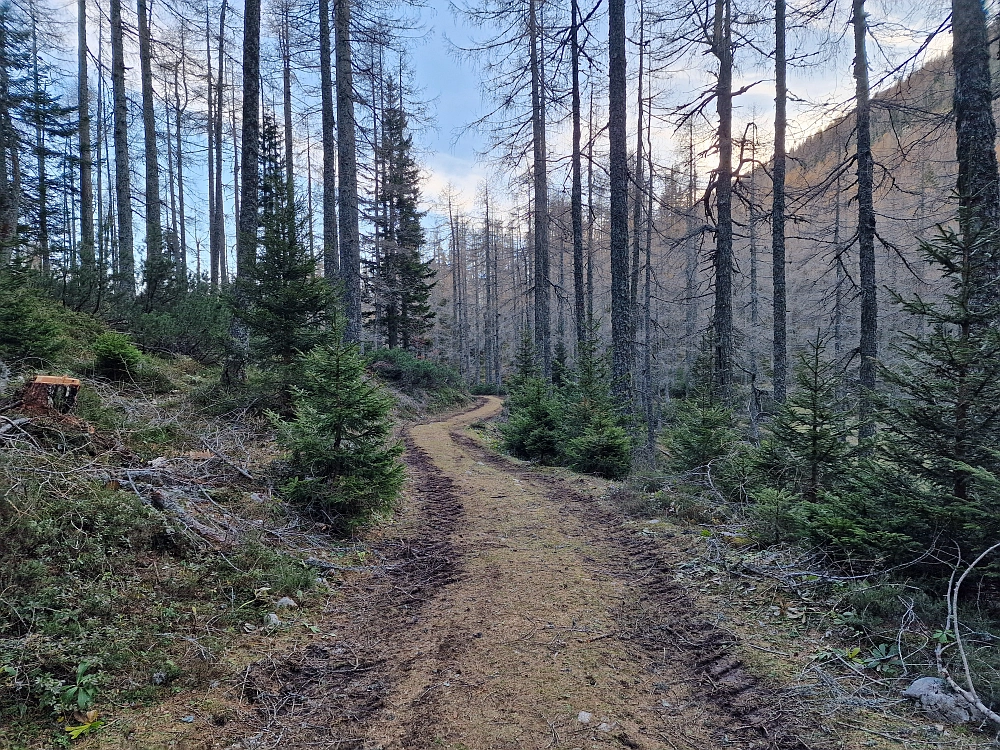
column 515, row 612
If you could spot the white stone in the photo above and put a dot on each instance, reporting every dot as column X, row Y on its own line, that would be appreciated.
column 584, row 717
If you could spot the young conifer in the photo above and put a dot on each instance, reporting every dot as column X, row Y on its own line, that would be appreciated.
column 944, row 425
column 291, row 306
column 342, row 457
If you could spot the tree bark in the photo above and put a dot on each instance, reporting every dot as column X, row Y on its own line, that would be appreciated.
column 213, row 248
column 154, row 228
column 723, row 315
column 234, row 370
column 780, row 351
column 543, row 339
column 331, row 259
column 347, row 161
column 220, row 210
column 182, row 269
column 285, row 44
column 866, row 229
column 621, row 343
column 88, row 266
column 976, row 130
column 123, row 188
column 576, row 196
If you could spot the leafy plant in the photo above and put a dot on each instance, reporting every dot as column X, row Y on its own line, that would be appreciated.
column 80, row 695
column 115, row 356
column 89, row 721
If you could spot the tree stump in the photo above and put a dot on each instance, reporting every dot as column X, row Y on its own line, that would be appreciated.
column 47, row 392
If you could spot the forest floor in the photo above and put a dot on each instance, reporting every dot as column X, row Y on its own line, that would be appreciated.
column 507, row 606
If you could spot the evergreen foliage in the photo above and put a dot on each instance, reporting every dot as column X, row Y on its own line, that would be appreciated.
column 943, row 426
column 573, row 423
column 25, row 330
column 115, row 356
column 403, row 279
column 700, row 431
column 289, row 307
column 807, row 443
column 195, row 324
column 342, row 460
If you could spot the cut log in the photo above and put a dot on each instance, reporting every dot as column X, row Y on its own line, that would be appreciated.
column 51, row 392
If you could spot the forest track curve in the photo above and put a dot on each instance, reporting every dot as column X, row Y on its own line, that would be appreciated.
column 517, row 612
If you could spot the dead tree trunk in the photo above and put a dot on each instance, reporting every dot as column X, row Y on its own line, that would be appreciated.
column 331, row 260
column 543, row 340
column 88, row 266
column 246, row 235
column 123, row 187
column 154, row 228
column 866, row 230
column 622, row 345
column 350, row 242
column 780, row 350
column 722, row 320
column 576, row 196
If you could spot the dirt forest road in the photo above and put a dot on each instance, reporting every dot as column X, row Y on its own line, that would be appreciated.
column 515, row 612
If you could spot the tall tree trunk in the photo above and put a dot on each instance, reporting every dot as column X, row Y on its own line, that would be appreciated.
column 722, row 321
column 490, row 294
column 543, row 339
column 576, row 197
column 866, row 230
column 220, row 210
column 8, row 214
column 638, row 184
column 171, row 238
column 182, row 269
column 88, row 267
column 347, row 162
column 647, row 324
column 123, row 188
column 331, row 259
column 690, row 258
column 590, row 214
column 103, row 256
column 40, row 161
column 976, row 130
column 234, row 370
column 285, row 44
column 780, row 354
column 154, row 228
column 213, row 248
column 622, row 345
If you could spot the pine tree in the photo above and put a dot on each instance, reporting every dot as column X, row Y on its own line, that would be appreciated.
column 807, row 445
column 404, row 278
column 944, row 426
column 342, row 459
column 290, row 305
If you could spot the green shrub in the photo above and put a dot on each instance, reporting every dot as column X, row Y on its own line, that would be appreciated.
column 603, row 449
column 115, row 356
column 701, row 432
column 196, row 326
column 778, row 516
column 534, row 429
column 341, row 459
column 26, row 330
column 404, row 368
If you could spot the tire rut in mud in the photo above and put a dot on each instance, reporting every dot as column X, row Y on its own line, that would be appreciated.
column 664, row 621
column 327, row 693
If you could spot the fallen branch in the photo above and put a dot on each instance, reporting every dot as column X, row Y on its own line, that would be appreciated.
column 952, row 627
column 226, row 459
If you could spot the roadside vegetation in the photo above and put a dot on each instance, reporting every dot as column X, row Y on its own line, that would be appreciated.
column 164, row 521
